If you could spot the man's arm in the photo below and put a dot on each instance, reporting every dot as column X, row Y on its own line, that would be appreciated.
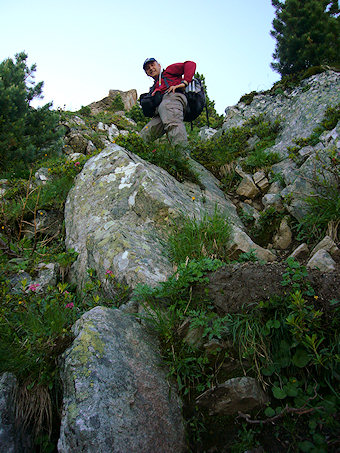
column 186, row 69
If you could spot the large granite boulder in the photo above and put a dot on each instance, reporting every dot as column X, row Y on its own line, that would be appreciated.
column 116, row 395
column 117, row 216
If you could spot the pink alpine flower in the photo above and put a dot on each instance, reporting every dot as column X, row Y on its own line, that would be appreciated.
column 69, row 305
column 33, row 286
column 108, row 272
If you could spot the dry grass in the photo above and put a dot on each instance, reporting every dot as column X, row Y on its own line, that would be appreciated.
column 33, row 409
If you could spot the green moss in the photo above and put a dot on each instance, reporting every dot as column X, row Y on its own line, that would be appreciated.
column 87, row 343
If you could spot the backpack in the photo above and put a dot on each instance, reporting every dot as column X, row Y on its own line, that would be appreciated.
column 195, row 95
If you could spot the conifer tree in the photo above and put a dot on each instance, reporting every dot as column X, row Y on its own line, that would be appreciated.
column 25, row 132
column 306, row 33
column 215, row 120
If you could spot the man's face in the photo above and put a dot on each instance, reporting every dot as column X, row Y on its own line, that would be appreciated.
column 153, row 69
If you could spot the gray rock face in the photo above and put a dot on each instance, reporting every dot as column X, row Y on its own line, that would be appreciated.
column 7, row 429
column 116, row 395
column 117, row 213
column 301, row 110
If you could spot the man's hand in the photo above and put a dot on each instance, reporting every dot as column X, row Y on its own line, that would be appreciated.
column 173, row 88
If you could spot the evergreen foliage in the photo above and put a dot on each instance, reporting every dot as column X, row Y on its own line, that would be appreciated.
column 215, row 120
column 307, row 34
column 25, row 132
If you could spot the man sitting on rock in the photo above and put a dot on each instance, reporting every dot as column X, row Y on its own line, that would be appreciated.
column 171, row 83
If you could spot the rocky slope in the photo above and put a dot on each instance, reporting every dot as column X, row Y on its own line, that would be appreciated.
column 116, row 397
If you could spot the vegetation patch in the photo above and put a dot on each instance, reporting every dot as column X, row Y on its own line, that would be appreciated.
column 198, row 238
column 219, row 154
column 171, row 158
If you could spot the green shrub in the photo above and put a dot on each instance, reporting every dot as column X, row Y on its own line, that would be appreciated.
column 117, row 104
column 85, row 110
column 137, row 115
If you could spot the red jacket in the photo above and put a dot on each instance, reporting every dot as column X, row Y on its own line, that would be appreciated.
column 175, row 74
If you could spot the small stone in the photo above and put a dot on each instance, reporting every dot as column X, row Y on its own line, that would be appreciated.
column 323, row 261
column 247, row 188
column 74, row 157
column 258, row 176
column 327, row 244
column 283, row 238
column 301, row 252
column 237, row 394
column 272, row 199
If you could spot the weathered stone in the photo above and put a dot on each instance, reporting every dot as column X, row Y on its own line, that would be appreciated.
column 272, row 199
column 77, row 142
column 90, row 147
column 252, row 141
column 101, row 127
column 283, row 238
column 306, row 151
column 78, row 121
column 329, row 245
column 113, row 132
column 287, row 169
column 192, row 336
column 250, row 211
column 301, row 252
column 47, row 274
column 275, row 187
column 238, row 394
column 42, row 176
column 116, row 394
column 74, row 157
column 247, row 188
column 116, row 213
column 129, row 99
column 261, row 180
column 206, row 133
column 300, row 111
column 4, row 185
column 243, row 244
column 310, row 173
column 323, row 261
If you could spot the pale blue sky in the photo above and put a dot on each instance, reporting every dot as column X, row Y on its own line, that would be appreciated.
column 85, row 48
